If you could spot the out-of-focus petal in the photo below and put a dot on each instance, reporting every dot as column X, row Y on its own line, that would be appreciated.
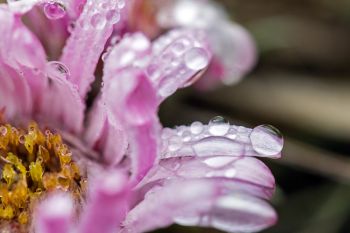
column 233, row 47
column 179, row 57
column 162, row 204
column 234, row 213
column 55, row 215
column 87, row 41
column 230, row 173
column 107, row 204
column 220, row 138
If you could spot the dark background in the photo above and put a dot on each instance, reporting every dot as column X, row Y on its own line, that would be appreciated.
column 300, row 85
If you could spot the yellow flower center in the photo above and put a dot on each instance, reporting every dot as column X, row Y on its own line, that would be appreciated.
column 33, row 163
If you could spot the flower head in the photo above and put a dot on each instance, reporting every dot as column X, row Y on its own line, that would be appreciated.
column 111, row 166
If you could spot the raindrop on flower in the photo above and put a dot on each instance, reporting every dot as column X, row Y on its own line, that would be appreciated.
column 196, row 127
column 98, row 21
column 266, row 140
column 218, row 126
column 186, row 136
column 175, row 143
column 57, row 70
column 196, row 58
column 113, row 16
column 3, row 130
column 121, row 4
column 54, row 10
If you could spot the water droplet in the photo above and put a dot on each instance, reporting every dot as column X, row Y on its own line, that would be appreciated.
column 196, row 127
column 57, row 70
column 230, row 173
column 178, row 48
column 98, row 21
column 196, row 58
column 121, row 4
column 218, row 126
column 3, row 130
column 266, row 140
column 115, row 39
column 112, row 16
column 54, row 10
column 186, row 136
column 175, row 143
column 71, row 27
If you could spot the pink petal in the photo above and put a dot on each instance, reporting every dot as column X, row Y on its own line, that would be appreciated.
column 231, row 174
column 177, row 61
column 87, row 41
column 105, row 135
column 234, row 213
column 54, row 215
column 132, row 100
column 215, row 140
column 232, row 46
column 162, row 204
column 107, row 204
column 63, row 105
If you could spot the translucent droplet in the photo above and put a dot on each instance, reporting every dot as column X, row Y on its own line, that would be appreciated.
column 54, row 10
column 196, row 127
column 57, row 70
column 186, row 136
column 175, row 143
column 112, row 16
column 266, row 140
column 178, row 48
column 230, row 173
column 3, row 130
column 196, row 58
column 121, row 4
column 218, row 126
column 71, row 27
column 98, row 21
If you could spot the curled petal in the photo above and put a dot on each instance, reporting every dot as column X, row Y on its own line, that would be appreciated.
column 104, row 134
column 107, row 205
column 162, row 204
column 87, row 41
column 132, row 100
column 234, row 213
column 54, row 215
column 221, row 139
column 179, row 57
column 230, row 173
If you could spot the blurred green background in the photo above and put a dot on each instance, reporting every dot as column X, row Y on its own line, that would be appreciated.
column 301, row 85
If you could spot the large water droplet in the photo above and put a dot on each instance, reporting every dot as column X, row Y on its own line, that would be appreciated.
column 218, row 126
column 54, row 10
column 98, row 21
column 196, row 58
column 186, row 136
column 175, row 143
column 266, row 140
column 121, row 4
column 57, row 70
column 196, row 127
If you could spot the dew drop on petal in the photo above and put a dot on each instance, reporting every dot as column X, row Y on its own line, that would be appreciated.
column 3, row 130
column 218, row 126
column 186, row 136
column 196, row 58
column 121, row 4
column 112, row 16
column 54, row 10
column 98, row 21
column 266, row 140
column 175, row 143
column 57, row 70
column 196, row 127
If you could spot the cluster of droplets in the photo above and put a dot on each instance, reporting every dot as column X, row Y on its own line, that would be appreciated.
column 180, row 54
column 219, row 138
column 106, row 12
column 33, row 163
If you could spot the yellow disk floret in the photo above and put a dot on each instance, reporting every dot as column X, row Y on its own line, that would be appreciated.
column 33, row 163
